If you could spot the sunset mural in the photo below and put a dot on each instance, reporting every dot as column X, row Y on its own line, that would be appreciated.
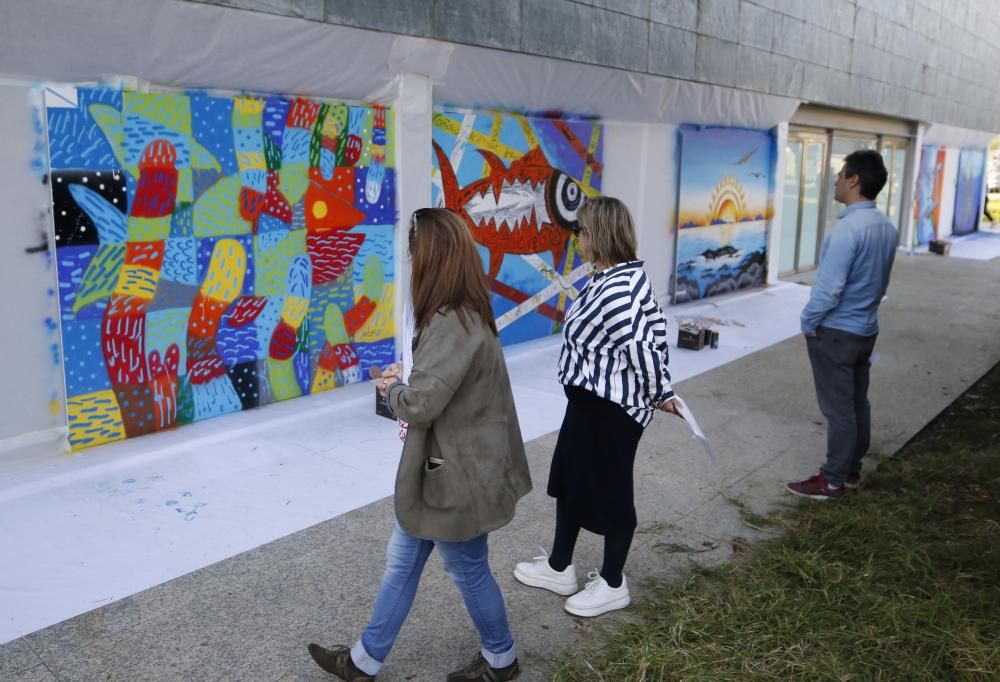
column 726, row 185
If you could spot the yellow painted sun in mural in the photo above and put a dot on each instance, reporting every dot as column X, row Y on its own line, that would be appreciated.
column 728, row 202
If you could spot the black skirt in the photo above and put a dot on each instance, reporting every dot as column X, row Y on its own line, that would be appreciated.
column 591, row 472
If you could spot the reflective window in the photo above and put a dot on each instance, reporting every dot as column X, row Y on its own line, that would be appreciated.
column 790, row 206
column 812, row 196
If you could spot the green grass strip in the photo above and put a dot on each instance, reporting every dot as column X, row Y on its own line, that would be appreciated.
column 898, row 582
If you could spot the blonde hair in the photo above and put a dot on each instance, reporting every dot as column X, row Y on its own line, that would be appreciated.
column 610, row 230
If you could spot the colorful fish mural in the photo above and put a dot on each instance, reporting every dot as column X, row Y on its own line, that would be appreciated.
column 518, row 181
column 527, row 208
column 216, row 253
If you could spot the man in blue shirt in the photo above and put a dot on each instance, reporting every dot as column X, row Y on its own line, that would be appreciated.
column 840, row 321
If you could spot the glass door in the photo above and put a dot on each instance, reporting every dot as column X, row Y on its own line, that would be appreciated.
column 788, row 246
column 813, row 182
column 802, row 208
column 812, row 160
column 891, row 198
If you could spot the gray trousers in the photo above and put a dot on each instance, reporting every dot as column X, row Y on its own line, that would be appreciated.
column 840, row 364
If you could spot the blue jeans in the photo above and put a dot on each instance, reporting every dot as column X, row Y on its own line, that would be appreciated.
column 468, row 565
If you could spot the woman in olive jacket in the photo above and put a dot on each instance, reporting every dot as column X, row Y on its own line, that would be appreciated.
column 463, row 466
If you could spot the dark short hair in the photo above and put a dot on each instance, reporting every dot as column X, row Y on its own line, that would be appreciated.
column 869, row 166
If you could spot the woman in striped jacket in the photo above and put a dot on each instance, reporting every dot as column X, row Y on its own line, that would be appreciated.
column 613, row 367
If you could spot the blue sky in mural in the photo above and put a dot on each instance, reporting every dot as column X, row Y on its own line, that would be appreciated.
column 710, row 156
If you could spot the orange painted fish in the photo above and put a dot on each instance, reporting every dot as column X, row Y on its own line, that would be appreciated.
column 529, row 207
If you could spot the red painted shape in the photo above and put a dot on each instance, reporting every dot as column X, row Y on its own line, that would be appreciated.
column 173, row 360
column 251, row 203
column 275, row 203
column 358, row 315
column 337, row 194
column 340, row 185
column 163, row 383
column 352, row 150
column 123, row 337
column 346, row 356
column 328, row 358
column 518, row 296
column 203, row 322
column 246, row 309
column 204, row 370
column 331, row 254
column 146, row 254
column 282, row 342
column 156, row 190
column 303, row 114
column 156, row 369
column 123, row 305
column 164, row 401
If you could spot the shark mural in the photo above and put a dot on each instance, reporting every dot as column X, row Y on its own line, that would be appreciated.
column 518, row 181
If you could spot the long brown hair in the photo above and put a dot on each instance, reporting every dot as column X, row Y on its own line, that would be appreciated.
column 447, row 270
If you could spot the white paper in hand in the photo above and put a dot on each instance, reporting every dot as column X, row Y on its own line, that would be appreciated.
column 695, row 429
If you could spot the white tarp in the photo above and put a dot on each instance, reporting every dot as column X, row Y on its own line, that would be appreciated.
column 951, row 136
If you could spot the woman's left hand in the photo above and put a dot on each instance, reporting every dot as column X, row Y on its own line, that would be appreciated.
column 671, row 406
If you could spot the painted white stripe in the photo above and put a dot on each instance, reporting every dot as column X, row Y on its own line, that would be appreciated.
column 532, row 303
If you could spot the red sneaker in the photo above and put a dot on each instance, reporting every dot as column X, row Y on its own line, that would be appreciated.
column 815, row 488
column 853, row 480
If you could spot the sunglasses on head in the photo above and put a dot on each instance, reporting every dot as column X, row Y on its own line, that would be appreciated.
column 415, row 216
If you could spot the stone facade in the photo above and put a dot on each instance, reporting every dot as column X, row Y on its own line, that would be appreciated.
column 932, row 60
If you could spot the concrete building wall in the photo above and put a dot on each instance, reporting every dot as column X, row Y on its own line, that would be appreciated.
column 932, row 60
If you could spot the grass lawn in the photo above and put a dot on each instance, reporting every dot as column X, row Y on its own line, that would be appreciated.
column 900, row 581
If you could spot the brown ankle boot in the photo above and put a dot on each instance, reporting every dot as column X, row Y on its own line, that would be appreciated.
column 338, row 661
column 480, row 670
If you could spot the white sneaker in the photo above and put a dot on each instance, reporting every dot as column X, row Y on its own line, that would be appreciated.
column 538, row 573
column 598, row 597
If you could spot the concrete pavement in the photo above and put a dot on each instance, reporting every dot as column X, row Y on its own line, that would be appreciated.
column 250, row 617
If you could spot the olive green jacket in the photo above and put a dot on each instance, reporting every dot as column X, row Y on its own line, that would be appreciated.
column 460, row 408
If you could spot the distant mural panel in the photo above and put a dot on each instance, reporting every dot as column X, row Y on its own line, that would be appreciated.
column 216, row 253
column 518, row 182
column 724, row 205
column 927, row 202
column 969, row 190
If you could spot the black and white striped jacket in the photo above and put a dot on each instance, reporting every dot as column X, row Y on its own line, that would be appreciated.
column 615, row 342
